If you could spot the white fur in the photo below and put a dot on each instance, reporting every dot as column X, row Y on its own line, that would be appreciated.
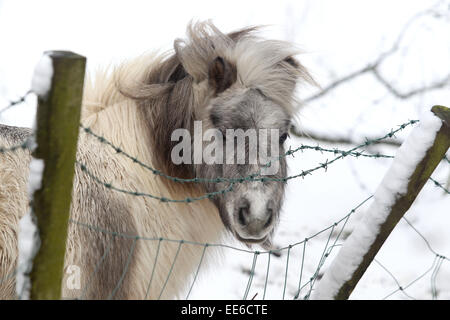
column 97, row 211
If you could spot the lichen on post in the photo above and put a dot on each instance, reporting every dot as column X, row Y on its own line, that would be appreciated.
column 57, row 125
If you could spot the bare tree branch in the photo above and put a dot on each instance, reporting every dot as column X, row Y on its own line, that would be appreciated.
column 406, row 95
column 373, row 68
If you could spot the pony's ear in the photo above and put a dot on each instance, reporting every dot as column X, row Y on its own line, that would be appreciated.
column 300, row 70
column 293, row 62
column 221, row 74
column 177, row 74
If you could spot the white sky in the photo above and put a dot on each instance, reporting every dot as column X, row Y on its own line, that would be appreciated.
column 338, row 35
column 106, row 31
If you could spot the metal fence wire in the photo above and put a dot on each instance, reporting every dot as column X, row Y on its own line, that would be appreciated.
column 334, row 233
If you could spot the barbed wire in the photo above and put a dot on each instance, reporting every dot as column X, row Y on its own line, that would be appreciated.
column 257, row 176
column 329, row 245
column 13, row 103
column 439, row 185
column 144, row 194
column 25, row 145
column 250, row 178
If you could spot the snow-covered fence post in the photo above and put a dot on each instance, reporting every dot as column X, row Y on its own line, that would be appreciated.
column 414, row 163
column 57, row 125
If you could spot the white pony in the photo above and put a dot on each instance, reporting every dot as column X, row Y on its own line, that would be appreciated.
column 235, row 80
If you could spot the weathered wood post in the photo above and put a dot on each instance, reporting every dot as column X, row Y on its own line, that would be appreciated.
column 395, row 195
column 57, row 125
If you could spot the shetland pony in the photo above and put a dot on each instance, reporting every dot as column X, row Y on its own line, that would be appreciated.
column 226, row 81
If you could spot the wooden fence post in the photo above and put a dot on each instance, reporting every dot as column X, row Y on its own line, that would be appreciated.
column 57, row 126
column 345, row 271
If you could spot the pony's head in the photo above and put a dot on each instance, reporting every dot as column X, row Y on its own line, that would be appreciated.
column 220, row 108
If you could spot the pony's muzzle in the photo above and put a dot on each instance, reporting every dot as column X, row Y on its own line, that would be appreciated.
column 253, row 222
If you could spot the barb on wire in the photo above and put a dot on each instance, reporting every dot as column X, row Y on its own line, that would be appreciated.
column 13, row 103
column 144, row 194
column 257, row 176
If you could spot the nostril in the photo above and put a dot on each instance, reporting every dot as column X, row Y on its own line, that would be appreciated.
column 243, row 211
column 242, row 215
column 269, row 219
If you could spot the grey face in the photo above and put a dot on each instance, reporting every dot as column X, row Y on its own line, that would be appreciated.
column 251, row 210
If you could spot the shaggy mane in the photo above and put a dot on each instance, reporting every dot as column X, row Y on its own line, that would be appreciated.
column 172, row 89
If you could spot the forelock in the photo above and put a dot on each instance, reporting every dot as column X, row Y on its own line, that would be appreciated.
column 264, row 64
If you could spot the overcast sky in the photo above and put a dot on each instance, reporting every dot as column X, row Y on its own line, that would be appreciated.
column 339, row 33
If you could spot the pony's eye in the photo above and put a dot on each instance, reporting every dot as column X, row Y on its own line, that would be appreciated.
column 283, row 138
